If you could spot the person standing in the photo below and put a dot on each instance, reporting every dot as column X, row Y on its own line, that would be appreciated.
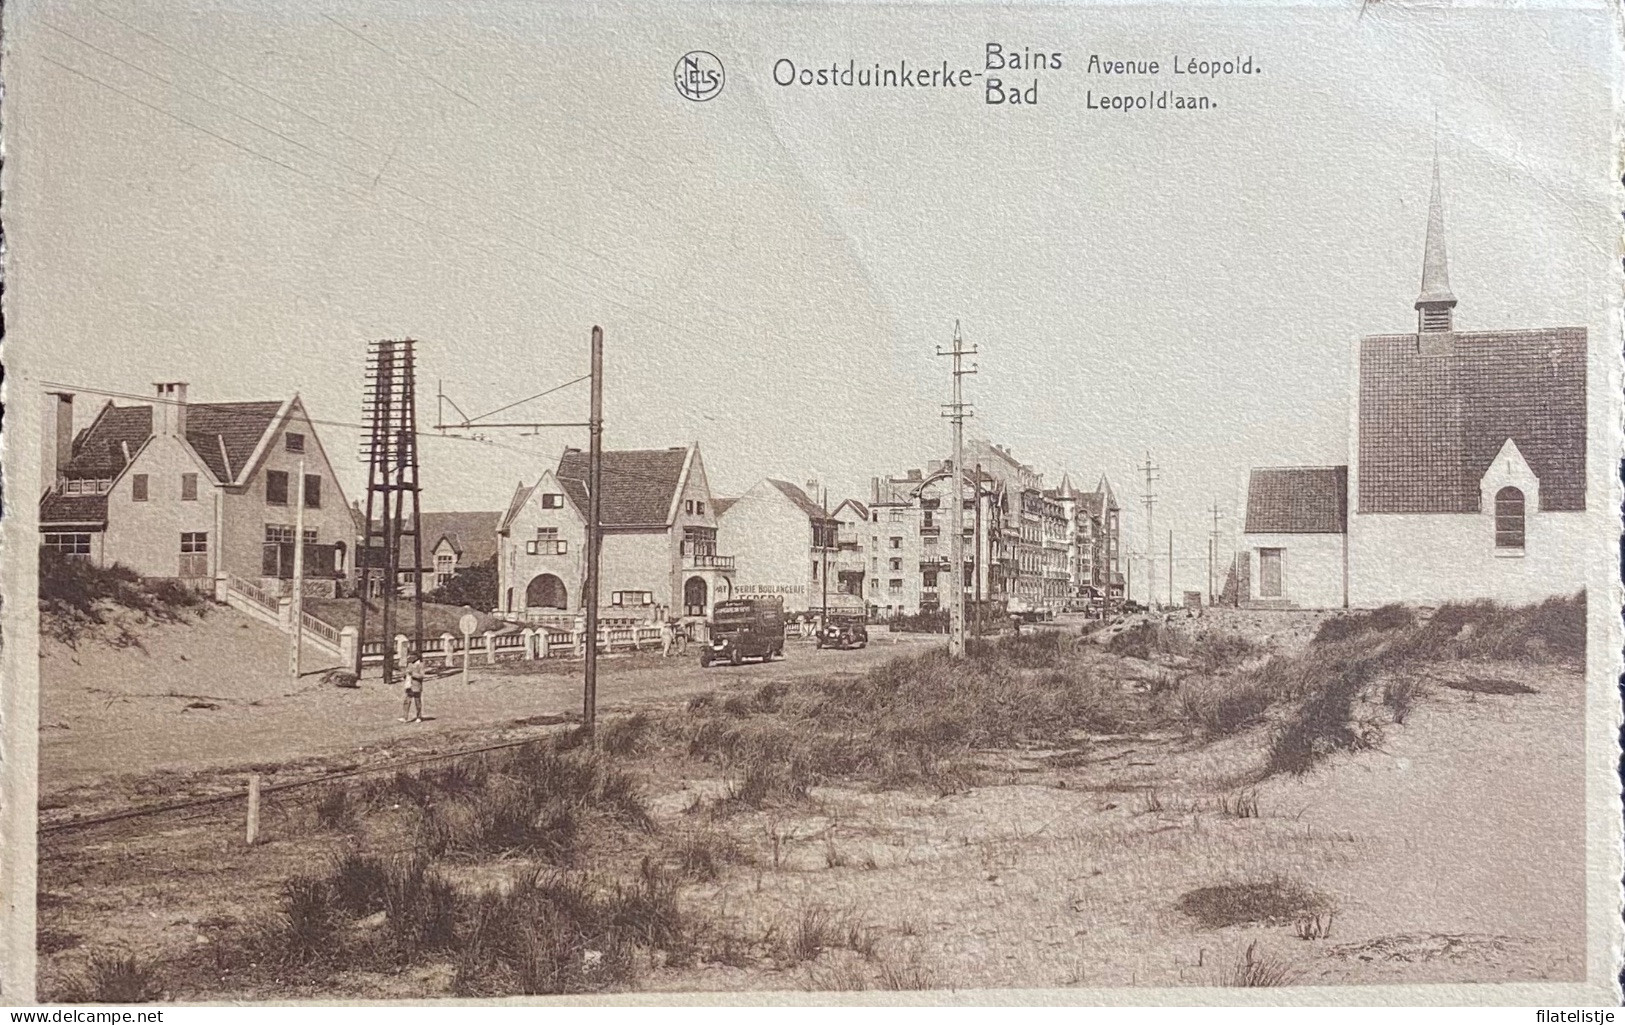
column 412, row 704
column 667, row 637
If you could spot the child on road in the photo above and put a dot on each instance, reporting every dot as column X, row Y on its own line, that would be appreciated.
column 412, row 704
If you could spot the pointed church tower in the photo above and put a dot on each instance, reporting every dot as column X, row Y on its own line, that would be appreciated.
column 1434, row 305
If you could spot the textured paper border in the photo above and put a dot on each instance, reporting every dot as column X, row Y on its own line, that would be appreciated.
column 1605, row 900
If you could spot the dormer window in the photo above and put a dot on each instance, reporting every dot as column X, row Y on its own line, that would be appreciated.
column 553, row 501
column 293, row 442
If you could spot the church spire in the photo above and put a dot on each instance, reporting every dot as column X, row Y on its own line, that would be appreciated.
column 1433, row 306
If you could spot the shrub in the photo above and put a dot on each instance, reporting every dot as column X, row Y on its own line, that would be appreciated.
column 551, row 933
column 474, row 586
column 625, row 736
column 931, row 621
column 115, row 979
column 1255, row 969
column 1323, row 722
column 819, row 927
column 529, row 799
column 701, row 855
column 302, row 932
column 1138, row 641
column 1277, row 901
column 1400, row 694
column 76, row 593
column 1222, row 707
column 334, row 809
column 1386, row 619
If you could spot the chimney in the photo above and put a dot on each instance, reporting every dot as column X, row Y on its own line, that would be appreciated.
column 812, row 490
column 58, row 440
column 874, row 490
column 169, row 412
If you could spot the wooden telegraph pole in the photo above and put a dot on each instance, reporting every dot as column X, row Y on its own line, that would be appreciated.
column 595, row 495
column 976, row 555
column 595, row 490
column 823, row 615
column 1171, row 567
column 296, row 601
column 957, row 411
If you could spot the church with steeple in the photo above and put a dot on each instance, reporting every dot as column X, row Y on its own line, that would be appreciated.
column 1466, row 476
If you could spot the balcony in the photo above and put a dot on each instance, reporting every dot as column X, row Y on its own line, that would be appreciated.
column 707, row 560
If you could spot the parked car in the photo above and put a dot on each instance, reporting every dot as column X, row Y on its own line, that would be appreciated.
column 843, row 623
column 745, row 628
column 843, row 631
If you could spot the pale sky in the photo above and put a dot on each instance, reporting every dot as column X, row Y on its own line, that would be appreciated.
column 774, row 268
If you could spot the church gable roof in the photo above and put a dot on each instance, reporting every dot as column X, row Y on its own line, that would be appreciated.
column 1298, row 500
column 1430, row 424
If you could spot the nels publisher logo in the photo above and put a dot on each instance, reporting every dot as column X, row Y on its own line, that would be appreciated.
column 699, row 76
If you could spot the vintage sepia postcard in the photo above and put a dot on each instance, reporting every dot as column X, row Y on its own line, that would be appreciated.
column 849, row 502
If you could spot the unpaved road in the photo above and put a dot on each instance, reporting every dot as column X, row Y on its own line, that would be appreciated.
column 217, row 695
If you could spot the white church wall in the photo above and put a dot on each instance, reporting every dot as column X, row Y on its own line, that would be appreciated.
column 1426, row 558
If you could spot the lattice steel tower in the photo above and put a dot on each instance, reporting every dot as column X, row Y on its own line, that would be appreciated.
column 390, row 449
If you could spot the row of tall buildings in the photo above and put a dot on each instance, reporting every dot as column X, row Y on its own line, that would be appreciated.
column 673, row 548
column 215, row 494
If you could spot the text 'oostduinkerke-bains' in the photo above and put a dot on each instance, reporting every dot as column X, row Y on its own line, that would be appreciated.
column 1011, row 75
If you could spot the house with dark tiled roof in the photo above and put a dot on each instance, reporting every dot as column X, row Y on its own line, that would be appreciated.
column 660, row 555
column 1296, row 531
column 787, row 545
column 1467, row 467
column 195, row 491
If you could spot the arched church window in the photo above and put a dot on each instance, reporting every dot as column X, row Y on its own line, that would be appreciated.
column 1509, row 518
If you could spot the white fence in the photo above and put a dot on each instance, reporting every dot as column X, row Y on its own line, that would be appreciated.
column 526, row 644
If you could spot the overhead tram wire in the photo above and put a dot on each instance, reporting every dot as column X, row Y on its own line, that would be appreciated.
column 517, row 214
column 371, row 200
column 622, row 473
column 319, row 421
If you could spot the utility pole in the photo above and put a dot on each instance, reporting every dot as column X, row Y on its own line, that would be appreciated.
column 976, row 555
column 957, row 411
column 595, row 466
column 595, row 495
column 1213, row 555
column 390, row 449
column 1153, row 474
column 296, row 609
column 823, row 546
column 1171, row 568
